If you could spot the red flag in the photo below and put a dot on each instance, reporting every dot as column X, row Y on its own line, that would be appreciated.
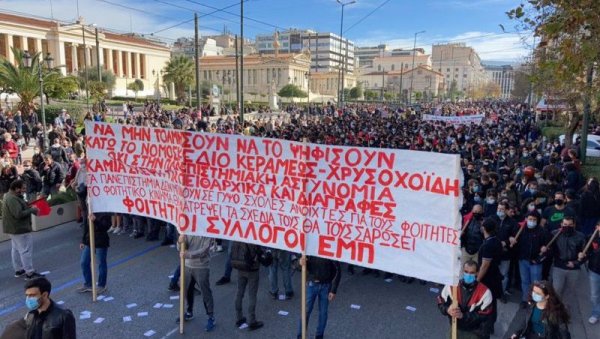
column 42, row 205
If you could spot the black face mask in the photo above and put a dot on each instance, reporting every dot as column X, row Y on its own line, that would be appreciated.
column 478, row 216
column 559, row 202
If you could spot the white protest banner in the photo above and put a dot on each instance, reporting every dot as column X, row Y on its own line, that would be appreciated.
column 455, row 120
column 392, row 210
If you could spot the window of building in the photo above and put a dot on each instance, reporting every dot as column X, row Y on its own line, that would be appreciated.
column 447, row 69
column 379, row 67
column 393, row 67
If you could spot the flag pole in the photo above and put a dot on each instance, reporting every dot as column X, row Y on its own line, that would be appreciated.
column 182, row 287
column 303, row 284
column 454, row 305
column 92, row 249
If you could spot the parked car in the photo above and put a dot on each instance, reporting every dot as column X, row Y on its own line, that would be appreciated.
column 593, row 144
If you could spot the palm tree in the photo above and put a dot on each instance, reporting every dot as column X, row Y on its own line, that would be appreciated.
column 180, row 71
column 24, row 81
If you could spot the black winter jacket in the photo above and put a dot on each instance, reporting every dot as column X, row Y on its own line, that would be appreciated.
column 551, row 330
column 101, row 226
column 566, row 247
column 324, row 271
column 56, row 323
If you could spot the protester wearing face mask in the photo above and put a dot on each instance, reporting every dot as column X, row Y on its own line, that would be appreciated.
column 565, row 251
column 529, row 245
column 530, row 191
column 46, row 319
column 507, row 227
column 491, row 203
column 474, row 307
column 472, row 237
column 553, row 215
column 490, row 255
column 547, row 317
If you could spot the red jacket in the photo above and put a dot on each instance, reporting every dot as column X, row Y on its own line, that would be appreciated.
column 12, row 148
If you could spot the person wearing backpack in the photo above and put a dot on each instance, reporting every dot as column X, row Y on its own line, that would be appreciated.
column 245, row 259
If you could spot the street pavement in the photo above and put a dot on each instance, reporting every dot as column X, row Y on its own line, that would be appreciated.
column 365, row 307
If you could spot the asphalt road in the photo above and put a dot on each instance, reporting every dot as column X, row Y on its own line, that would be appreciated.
column 365, row 307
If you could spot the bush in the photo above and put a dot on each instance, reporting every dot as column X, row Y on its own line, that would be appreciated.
column 552, row 133
column 591, row 167
column 77, row 112
column 62, row 197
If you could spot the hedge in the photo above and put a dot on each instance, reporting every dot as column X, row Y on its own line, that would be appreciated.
column 77, row 112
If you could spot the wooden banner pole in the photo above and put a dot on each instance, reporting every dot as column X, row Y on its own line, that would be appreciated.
column 182, row 288
column 589, row 243
column 454, row 305
column 92, row 235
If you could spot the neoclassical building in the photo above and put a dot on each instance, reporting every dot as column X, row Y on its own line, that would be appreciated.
column 73, row 47
column 262, row 73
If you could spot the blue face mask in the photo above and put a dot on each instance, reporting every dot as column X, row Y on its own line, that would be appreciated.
column 500, row 214
column 536, row 297
column 531, row 224
column 32, row 303
column 469, row 278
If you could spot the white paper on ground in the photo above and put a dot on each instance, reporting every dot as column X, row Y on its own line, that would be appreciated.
column 149, row 333
column 60, row 302
column 45, row 273
column 282, row 297
column 434, row 290
column 142, row 314
column 244, row 326
column 98, row 320
column 100, row 297
column 131, row 305
column 126, row 318
column 158, row 305
column 171, row 276
column 283, row 313
column 84, row 316
column 85, row 312
column 174, row 297
column 167, row 306
column 410, row 308
column 109, row 298
column 388, row 280
column 356, row 307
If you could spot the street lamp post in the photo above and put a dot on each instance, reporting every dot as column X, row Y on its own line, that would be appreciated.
column 307, row 76
column 341, row 63
column 412, row 71
column 27, row 62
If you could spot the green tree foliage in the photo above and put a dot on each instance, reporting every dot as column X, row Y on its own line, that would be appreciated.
column 180, row 71
column 568, row 53
column 108, row 78
column 24, row 81
column 371, row 95
column 356, row 92
column 61, row 88
column 136, row 86
column 291, row 91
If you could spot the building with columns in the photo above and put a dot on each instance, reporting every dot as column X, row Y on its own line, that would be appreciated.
column 262, row 73
column 73, row 47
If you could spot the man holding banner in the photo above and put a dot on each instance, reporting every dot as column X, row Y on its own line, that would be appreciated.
column 323, row 281
column 474, row 307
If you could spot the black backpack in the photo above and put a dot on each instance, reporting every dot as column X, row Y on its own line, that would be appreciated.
column 241, row 257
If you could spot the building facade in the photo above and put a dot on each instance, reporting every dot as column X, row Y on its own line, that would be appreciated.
column 290, row 41
column 263, row 74
column 425, row 81
column 73, row 47
column 365, row 55
column 460, row 64
column 206, row 47
column 504, row 76
column 329, row 52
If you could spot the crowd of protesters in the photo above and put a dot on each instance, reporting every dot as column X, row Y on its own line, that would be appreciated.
column 527, row 213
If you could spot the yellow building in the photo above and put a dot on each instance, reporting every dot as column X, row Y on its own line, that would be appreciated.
column 73, row 47
column 263, row 74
